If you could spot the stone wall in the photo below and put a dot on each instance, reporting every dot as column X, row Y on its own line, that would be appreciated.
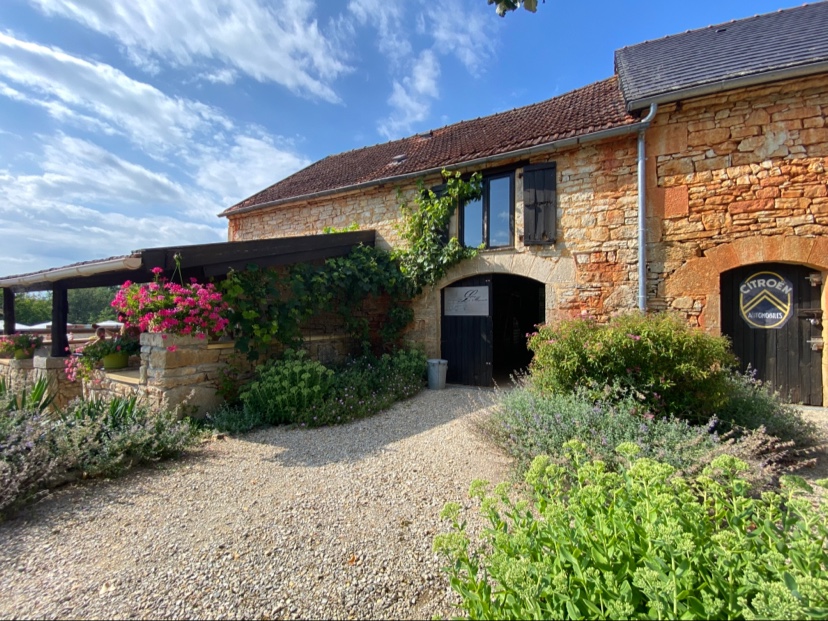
column 20, row 375
column 732, row 179
column 739, row 165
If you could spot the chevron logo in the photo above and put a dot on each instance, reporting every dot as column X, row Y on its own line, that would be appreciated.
column 766, row 300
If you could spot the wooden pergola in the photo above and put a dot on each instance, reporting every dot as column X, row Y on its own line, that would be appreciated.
column 201, row 261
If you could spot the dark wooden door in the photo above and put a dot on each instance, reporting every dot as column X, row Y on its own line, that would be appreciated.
column 466, row 334
column 771, row 312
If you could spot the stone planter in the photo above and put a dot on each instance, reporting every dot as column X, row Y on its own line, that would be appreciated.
column 115, row 361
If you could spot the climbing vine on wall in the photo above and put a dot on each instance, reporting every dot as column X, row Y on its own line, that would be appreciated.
column 429, row 252
column 269, row 306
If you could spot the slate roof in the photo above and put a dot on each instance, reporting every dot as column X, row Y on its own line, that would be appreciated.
column 784, row 40
column 592, row 108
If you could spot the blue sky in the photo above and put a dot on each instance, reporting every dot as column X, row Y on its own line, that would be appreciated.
column 127, row 124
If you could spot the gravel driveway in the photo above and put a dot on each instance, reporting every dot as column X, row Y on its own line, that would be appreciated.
column 327, row 523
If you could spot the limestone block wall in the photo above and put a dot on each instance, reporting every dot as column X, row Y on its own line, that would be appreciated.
column 20, row 375
column 729, row 168
column 176, row 372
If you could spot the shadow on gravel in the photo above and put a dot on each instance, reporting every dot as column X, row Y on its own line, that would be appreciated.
column 354, row 441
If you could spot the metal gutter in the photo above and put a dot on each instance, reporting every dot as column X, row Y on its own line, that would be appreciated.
column 622, row 130
column 711, row 88
column 642, row 209
column 131, row 262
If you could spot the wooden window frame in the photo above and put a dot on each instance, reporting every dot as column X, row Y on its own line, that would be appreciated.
column 499, row 173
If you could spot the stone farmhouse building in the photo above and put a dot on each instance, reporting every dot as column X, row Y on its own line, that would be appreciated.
column 692, row 180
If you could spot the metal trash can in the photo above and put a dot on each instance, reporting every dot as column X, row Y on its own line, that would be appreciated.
column 437, row 373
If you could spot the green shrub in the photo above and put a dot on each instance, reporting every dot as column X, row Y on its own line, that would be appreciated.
column 33, row 455
column 37, row 397
column 641, row 543
column 675, row 369
column 298, row 390
column 751, row 404
column 527, row 424
column 233, row 418
column 112, row 436
column 282, row 389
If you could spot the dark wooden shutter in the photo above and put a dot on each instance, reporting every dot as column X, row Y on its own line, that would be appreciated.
column 539, row 204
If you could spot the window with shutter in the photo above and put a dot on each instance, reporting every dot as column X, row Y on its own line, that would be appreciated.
column 539, row 204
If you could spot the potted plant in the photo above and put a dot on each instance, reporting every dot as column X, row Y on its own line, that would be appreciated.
column 21, row 346
column 111, row 353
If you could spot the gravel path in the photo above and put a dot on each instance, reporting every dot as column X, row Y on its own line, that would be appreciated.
column 281, row 523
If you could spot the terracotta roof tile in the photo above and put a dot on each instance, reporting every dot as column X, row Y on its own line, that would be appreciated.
column 589, row 109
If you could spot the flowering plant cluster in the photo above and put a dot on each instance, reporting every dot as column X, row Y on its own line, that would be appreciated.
column 27, row 343
column 171, row 308
column 82, row 364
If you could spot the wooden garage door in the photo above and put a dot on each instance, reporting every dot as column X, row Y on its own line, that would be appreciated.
column 772, row 313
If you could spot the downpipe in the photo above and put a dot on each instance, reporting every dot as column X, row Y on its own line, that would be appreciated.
column 642, row 209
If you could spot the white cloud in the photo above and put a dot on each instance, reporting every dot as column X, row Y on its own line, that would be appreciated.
column 251, row 162
column 84, row 200
column 465, row 31
column 277, row 42
column 411, row 99
column 69, row 87
column 43, row 226
column 389, row 19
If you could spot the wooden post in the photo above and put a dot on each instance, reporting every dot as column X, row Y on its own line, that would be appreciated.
column 8, row 311
column 60, row 314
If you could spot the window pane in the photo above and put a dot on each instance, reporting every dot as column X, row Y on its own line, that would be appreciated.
column 500, row 212
column 473, row 223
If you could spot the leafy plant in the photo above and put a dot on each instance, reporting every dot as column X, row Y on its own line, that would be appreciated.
column 39, row 397
column 283, row 388
column 429, row 252
column 89, row 438
column 26, row 343
column 268, row 307
column 751, row 404
column 111, row 436
column 672, row 367
column 304, row 392
column 33, row 456
column 642, row 543
column 235, row 418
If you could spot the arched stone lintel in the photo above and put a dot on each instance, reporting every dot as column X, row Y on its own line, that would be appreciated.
column 700, row 277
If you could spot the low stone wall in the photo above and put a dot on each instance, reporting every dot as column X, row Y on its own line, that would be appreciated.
column 175, row 372
column 20, row 375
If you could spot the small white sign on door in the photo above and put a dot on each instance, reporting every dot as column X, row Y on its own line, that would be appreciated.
column 466, row 300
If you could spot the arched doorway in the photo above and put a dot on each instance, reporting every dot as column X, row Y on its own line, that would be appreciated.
column 485, row 319
column 771, row 312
